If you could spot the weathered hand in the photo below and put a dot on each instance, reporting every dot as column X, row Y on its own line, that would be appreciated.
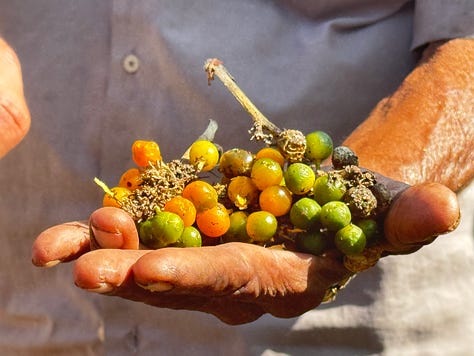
column 237, row 282
column 14, row 114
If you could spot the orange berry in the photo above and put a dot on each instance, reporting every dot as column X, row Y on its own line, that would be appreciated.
column 242, row 192
column 266, row 172
column 273, row 153
column 201, row 194
column 182, row 207
column 131, row 179
column 145, row 152
column 119, row 194
column 275, row 199
column 213, row 222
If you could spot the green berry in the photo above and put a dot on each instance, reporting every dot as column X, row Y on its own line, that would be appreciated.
column 370, row 228
column 304, row 214
column 261, row 226
column 299, row 178
column 350, row 240
column 314, row 242
column 335, row 215
column 237, row 230
column 318, row 146
column 163, row 229
column 328, row 188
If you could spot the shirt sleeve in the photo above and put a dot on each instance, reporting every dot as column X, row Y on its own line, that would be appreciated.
column 441, row 20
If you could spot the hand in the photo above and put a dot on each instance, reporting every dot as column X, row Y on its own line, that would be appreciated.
column 14, row 114
column 237, row 282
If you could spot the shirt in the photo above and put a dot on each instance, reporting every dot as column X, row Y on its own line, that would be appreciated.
column 101, row 74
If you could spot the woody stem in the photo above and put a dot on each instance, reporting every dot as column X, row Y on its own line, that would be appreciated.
column 215, row 67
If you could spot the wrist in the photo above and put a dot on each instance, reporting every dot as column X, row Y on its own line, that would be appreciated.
column 423, row 132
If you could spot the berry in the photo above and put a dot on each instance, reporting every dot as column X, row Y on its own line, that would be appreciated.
column 204, row 155
column 314, row 242
column 145, row 152
column 237, row 230
column 328, row 188
column 213, row 222
column 350, row 240
column 236, row 162
column 275, row 199
column 318, row 146
column 201, row 194
column 335, row 215
column 304, row 214
column 343, row 156
column 261, row 226
column 182, row 207
column 163, row 229
column 242, row 192
column 299, row 178
column 266, row 172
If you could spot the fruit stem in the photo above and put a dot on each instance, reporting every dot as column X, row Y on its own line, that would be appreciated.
column 215, row 67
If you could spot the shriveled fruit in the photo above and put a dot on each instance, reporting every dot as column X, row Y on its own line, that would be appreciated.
column 236, row 162
column 242, row 192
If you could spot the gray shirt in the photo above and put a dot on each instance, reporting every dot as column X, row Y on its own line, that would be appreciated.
column 307, row 65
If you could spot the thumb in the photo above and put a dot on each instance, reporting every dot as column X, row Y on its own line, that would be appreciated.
column 14, row 115
column 419, row 214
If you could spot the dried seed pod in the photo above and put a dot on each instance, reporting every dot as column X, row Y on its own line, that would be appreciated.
column 362, row 203
column 383, row 196
column 343, row 156
column 292, row 144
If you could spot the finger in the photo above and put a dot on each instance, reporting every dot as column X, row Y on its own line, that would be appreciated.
column 113, row 228
column 105, row 270
column 110, row 272
column 243, row 272
column 14, row 115
column 419, row 214
column 60, row 243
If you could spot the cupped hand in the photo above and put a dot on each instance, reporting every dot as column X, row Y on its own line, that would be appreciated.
column 14, row 114
column 236, row 282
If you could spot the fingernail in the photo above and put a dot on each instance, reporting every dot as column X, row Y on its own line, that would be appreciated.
column 106, row 239
column 52, row 263
column 157, row 286
column 101, row 289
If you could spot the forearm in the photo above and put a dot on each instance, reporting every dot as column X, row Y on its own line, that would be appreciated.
column 425, row 130
column 14, row 114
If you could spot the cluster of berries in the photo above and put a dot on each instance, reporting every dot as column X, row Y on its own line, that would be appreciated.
column 262, row 198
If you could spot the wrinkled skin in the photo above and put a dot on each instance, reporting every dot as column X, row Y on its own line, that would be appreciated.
column 240, row 282
column 14, row 114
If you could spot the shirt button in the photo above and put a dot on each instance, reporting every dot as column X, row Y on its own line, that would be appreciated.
column 131, row 63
